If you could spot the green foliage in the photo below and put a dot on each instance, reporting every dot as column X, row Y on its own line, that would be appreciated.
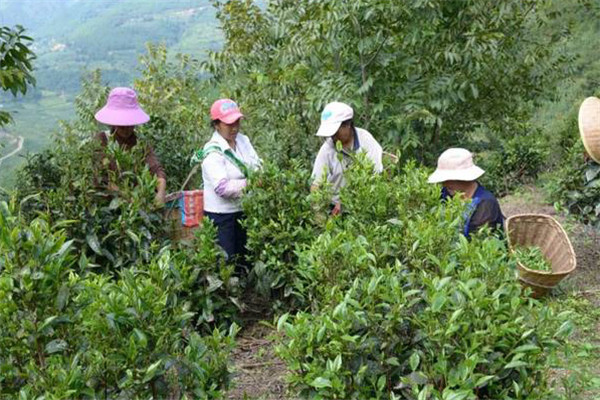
column 141, row 324
column 282, row 217
column 68, row 333
column 407, row 307
column 15, row 63
column 533, row 258
column 576, row 186
column 113, row 228
column 36, row 282
column 423, row 74
column 207, row 281
column 178, row 103
column 517, row 161
column 73, row 184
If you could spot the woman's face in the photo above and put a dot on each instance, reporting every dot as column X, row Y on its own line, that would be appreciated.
column 228, row 131
column 123, row 132
column 344, row 134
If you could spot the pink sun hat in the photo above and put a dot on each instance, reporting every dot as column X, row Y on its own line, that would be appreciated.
column 225, row 110
column 455, row 164
column 122, row 109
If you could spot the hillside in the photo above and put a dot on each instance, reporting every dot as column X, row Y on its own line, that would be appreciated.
column 74, row 36
column 77, row 34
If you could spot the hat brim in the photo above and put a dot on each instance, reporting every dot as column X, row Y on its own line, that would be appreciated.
column 130, row 117
column 231, row 118
column 589, row 126
column 328, row 129
column 469, row 174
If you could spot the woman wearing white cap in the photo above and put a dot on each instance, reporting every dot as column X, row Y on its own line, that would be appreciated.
column 337, row 125
column 458, row 174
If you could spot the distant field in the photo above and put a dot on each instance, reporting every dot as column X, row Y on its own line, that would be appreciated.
column 72, row 36
column 35, row 121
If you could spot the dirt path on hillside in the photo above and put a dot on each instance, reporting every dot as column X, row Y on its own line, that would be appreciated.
column 20, row 140
column 260, row 375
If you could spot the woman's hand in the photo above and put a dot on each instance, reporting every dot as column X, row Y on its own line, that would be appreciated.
column 337, row 209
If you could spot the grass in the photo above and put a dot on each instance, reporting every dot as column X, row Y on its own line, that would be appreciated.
column 576, row 372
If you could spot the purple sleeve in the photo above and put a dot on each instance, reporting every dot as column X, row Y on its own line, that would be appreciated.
column 230, row 187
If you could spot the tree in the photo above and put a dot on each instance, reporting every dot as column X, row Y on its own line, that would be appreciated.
column 422, row 73
column 15, row 64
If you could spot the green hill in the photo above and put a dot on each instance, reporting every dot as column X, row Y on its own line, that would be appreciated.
column 74, row 36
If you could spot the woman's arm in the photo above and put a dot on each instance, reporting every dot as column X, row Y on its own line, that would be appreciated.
column 214, row 172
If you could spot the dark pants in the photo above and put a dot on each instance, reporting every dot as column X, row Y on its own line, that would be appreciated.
column 230, row 235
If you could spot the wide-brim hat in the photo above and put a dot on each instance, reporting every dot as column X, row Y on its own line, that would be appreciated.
column 455, row 164
column 589, row 126
column 122, row 109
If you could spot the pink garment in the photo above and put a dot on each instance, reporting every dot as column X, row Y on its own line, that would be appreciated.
column 229, row 188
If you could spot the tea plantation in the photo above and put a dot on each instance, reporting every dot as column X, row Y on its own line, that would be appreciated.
column 101, row 298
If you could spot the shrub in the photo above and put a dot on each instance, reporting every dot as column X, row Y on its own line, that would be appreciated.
column 112, row 228
column 139, row 339
column 409, row 308
column 36, row 285
column 70, row 333
column 576, row 186
column 204, row 279
column 282, row 217
column 518, row 161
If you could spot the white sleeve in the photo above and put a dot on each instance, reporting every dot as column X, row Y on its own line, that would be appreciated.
column 321, row 166
column 375, row 153
column 214, row 169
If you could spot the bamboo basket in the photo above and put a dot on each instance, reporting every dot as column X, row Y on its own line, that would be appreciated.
column 178, row 227
column 589, row 126
column 546, row 233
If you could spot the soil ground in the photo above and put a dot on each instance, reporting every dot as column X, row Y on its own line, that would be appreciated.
column 260, row 375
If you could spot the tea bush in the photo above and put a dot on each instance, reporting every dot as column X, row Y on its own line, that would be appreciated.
column 406, row 307
column 206, row 282
column 113, row 228
column 576, row 186
column 140, row 339
column 36, row 285
column 282, row 217
column 71, row 333
column 518, row 161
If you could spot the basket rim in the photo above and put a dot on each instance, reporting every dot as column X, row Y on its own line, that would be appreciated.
column 538, row 285
column 555, row 222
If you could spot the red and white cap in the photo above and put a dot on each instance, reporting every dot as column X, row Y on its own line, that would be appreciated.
column 225, row 110
column 332, row 117
column 455, row 164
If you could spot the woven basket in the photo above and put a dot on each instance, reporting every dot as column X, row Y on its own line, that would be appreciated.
column 546, row 233
column 181, row 224
column 589, row 126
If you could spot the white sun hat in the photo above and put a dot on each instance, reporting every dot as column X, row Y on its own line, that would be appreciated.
column 332, row 117
column 455, row 164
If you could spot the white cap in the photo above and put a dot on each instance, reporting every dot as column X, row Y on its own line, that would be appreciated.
column 332, row 117
column 456, row 165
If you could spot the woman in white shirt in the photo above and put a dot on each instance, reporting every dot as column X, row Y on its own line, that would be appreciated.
column 227, row 158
